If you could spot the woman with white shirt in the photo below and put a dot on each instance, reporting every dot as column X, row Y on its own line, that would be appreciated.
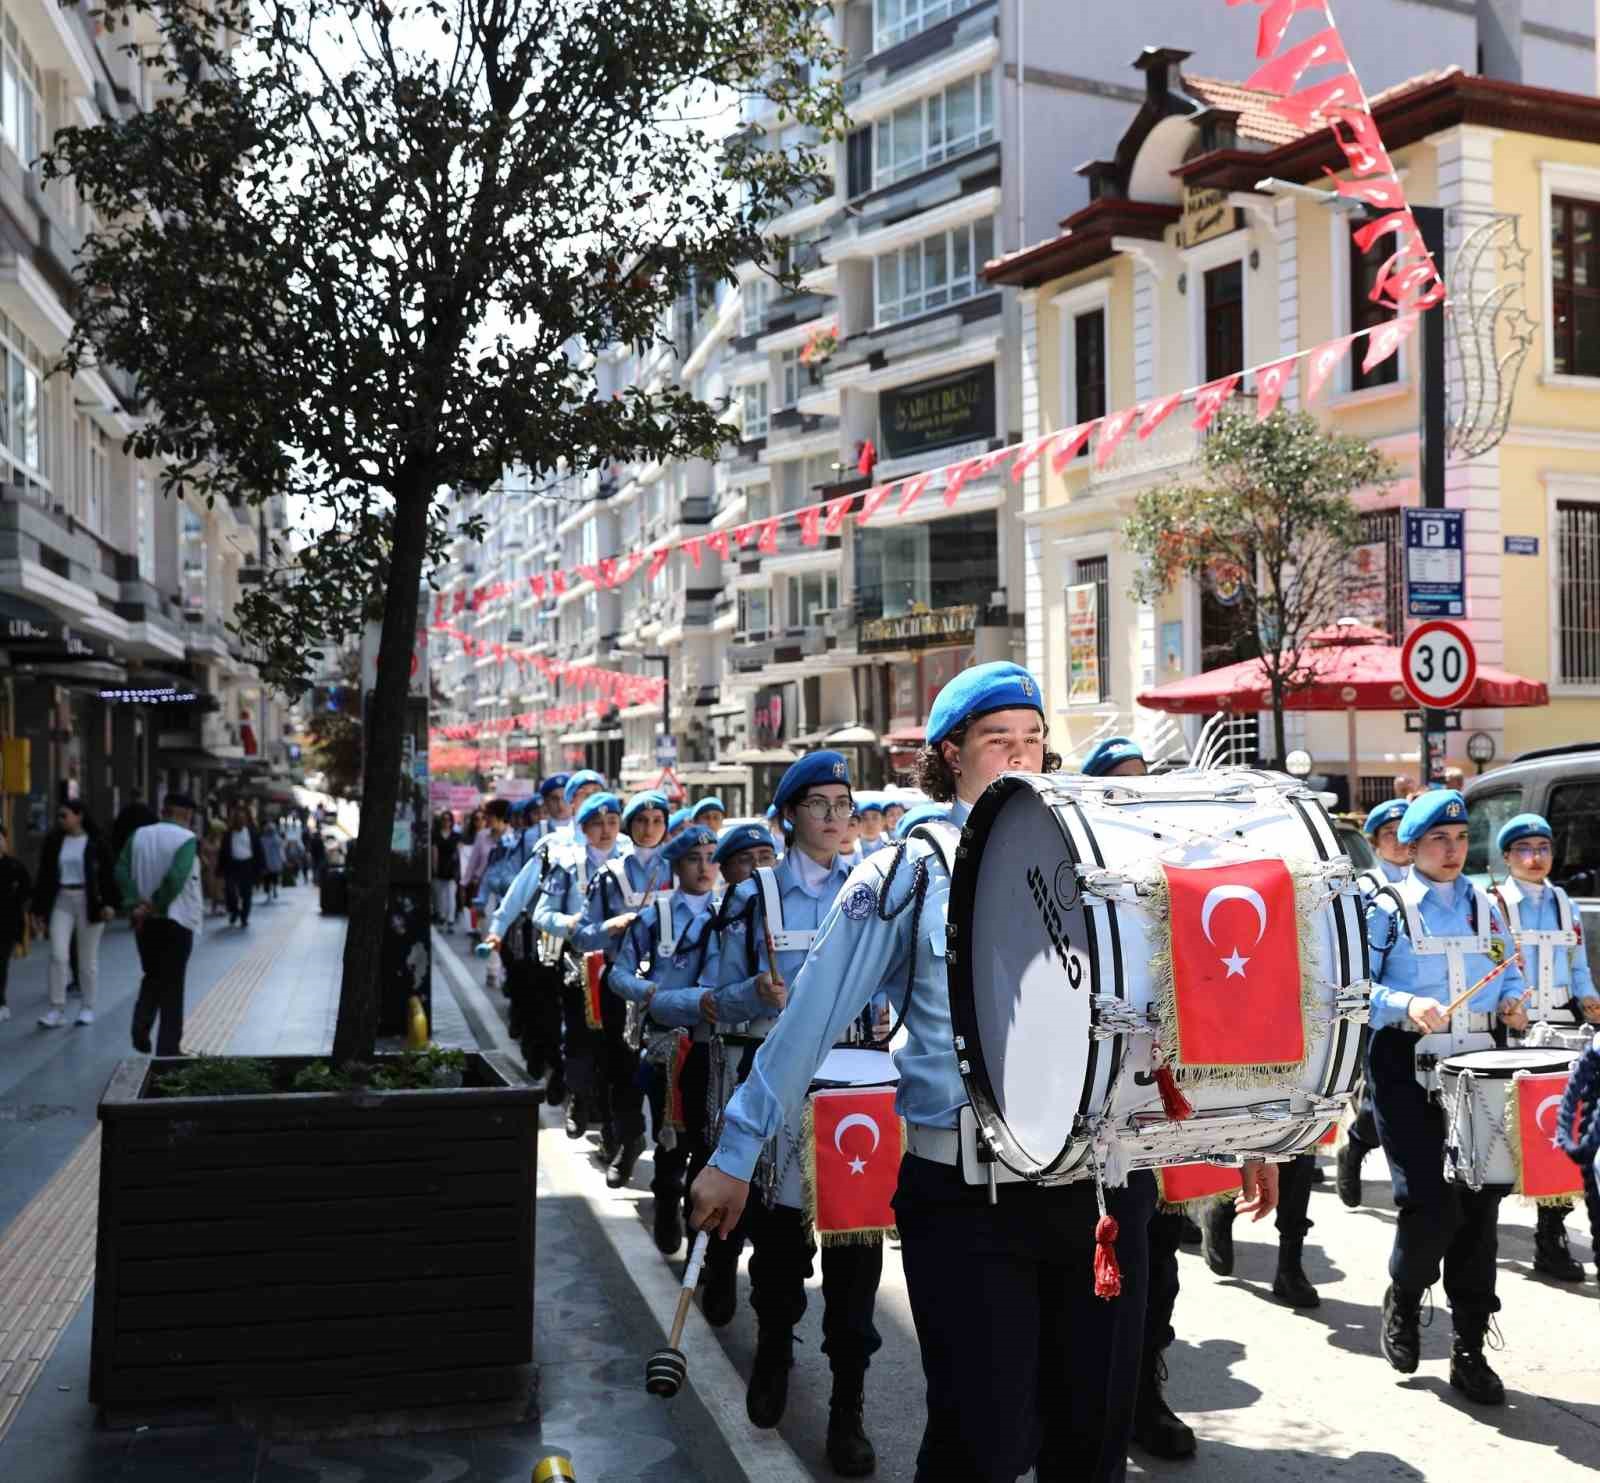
column 75, row 894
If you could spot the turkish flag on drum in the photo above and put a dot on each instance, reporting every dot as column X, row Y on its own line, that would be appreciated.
column 1182, row 1184
column 1236, row 999
column 594, row 972
column 1533, row 1110
column 853, row 1145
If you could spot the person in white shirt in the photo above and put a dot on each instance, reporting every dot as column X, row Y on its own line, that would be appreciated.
column 74, row 897
column 159, row 877
column 242, row 863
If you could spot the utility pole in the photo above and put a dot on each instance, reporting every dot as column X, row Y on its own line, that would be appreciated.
column 1434, row 436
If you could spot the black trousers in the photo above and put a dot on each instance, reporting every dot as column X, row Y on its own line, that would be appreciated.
column 1364, row 1126
column 1024, row 1365
column 624, row 1097
column 541, row 1022
column 7, row 947
column 676, row 1167
column 1166, row 1230
column 1441, row 1225
column 583, row 1052
column 238, row 881
column 164, row 949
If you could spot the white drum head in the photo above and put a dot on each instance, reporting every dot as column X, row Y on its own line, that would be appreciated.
column 1506, row 1063
column 1021, row 981
column 857, row 1068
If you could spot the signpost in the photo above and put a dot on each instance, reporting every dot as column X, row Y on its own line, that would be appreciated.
column 1438, row 667
column 668, row 783
column 666, row 751
column 1435, row 564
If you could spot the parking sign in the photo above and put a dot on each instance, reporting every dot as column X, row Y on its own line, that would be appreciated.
column 1435, row 564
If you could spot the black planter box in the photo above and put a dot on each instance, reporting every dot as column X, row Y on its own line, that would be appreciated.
column 311, row 1253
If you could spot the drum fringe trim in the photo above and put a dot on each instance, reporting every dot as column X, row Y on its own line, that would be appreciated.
column 1514, row 1138
column 864, row 1235
column 1309, row 888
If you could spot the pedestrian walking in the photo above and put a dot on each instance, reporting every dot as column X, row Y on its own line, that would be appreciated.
column 316, row 855
column 16, row 889
column 73, row 901
column 446, row 871
column 158, row 879
column 294, row 859
column 243, row 862
column 273, row 855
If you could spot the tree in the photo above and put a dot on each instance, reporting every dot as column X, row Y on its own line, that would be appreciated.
column 1272, row 513
column 335, row 733
column 356, row 252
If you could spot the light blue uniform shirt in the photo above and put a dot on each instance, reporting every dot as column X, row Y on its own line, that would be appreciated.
column 855, row 956
column 1570, row 969
column 1399, row 973
column 870, row 847
column 678, row 981
column 563, row 903
column 1393, row 873
column 605, row 900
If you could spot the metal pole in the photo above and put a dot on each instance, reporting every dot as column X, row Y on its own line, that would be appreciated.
column 1430, row 222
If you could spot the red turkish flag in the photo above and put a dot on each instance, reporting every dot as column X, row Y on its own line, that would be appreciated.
column 836, row 512
column 718, row 541
column 1071, row 443
column 558, row 580
column 536, row 583
column 594, row 972
column 1364, row 146
column 1322, row 363
column 856, row 1145
column 955, row 477
column 912, row 492
column 658, row 559
column 1387, row 339
column 1285, row 72
column 1113, row 430
column 870, row 502
column 692, row 546
column 811, row 526
column 1235, row 967
column 1158, row 412
column 769, row 537
column 1181, row 1183
column 1275, row 21
column 1209, row 400
column 1027, row 454
column 1542, row 1168
column 1319, row 101
column 1270, row 382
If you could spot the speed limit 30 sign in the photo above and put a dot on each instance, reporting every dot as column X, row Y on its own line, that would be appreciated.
column 1438, row 666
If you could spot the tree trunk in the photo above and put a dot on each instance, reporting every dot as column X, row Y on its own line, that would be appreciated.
column 1279, row 737
column 356, row 1031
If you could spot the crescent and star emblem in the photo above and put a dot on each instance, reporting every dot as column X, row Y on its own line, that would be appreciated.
column 1214, row 898
column 1538, row 1116
column 856, row 1120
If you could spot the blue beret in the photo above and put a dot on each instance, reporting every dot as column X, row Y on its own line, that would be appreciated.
column 921, row 814
column 869, row 803
column 998, row 686
column 772, row 810
column 650, row 798
column 1112, row 752
column 1426, row 810
column 1522, row 826
column 596, row 803
column 552, row 784
column 705, row 803
column 579, row 780
column 742, row 837
column 812, row 770
column 677, row 818
column 527, row 806
column 1390, row 812
column 680, row 844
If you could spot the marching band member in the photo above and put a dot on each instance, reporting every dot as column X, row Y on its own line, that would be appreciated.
column 921, row 813
column 578, row 788
column 1023, row 1363
column 1382, row 828
column 709, row 814
column 677, row 938
column 677, row 822
column 1115, row 757
column 873, row 835
column 1436, row 936
column 893, row 812
column 740, row 851
column 1548, row 932
column 850, row 854
column 557, row 813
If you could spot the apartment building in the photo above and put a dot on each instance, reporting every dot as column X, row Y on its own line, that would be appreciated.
column 118, row 676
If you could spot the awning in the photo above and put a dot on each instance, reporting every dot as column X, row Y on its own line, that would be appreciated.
column 31, row 631
column 577, row 738
column 853, row 736
column 197, row 759
column 768, row 755
column 906, row 736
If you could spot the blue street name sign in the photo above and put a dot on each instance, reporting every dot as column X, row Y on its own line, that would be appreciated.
column 1522, row 545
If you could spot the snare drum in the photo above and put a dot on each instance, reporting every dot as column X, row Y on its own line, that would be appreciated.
column 844, row 1066
column 1052, row 994
column 1474, row 1088
column 1576, row 1038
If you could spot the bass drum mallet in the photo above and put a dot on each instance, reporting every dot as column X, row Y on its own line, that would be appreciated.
column 666, row 1369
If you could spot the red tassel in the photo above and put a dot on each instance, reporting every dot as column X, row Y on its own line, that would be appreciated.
column 1177, row 1107
column 1107, row 1273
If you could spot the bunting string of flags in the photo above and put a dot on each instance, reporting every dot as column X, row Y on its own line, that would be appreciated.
column 1408, row 282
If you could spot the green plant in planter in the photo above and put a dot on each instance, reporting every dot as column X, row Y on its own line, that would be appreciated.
column 218, row 1076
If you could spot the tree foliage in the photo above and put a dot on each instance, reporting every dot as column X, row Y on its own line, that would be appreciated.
column 358, row 253
column 1272, row 513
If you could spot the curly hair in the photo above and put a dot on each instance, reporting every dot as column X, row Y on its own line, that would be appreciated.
column 935, row 778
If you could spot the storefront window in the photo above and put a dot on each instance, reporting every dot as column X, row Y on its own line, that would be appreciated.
column 940, row 564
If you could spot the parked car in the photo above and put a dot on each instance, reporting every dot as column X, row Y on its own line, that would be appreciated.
column 1354, row 843
column 1562, row 784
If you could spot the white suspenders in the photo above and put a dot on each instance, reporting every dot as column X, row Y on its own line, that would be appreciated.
column 666, row 941
column 1468, row 1030
column 783, row 940
column 1550, row 1003
column 633, row 900
column 944, row 838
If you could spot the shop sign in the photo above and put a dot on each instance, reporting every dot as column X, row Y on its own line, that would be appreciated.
column 1083, row 642
column 935, row 414
column 768, row 719
column 1206, row 214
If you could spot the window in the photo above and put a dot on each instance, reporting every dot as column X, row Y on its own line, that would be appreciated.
column 1385, row 528
column 1484, row 819
column 146, row 516
column 755, row 410
column 934, row 129
column 895, row 20
column 1578, row 593
column 810, row 592
column 1575, row 285
column 1089, row 367
column 23, row 405
column 753, row 611
column 97, row 448
column 1365, row 315
column 754, row 298
column 21, row 117
column 940, row 270
column 938, row 564
column 1574, row 814
column 1097, row 569
column 758, row 501
column 789, row 378
column 1224, row 327
column 858, row 163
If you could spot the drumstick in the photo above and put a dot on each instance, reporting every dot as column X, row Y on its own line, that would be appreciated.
column 773, row 971
column 1488, row 978
column 667, row 1368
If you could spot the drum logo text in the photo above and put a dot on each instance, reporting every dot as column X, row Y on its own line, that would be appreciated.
column 1053, row 927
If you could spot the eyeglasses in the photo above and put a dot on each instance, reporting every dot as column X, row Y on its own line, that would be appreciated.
column 822, row 809
column 1532, row 851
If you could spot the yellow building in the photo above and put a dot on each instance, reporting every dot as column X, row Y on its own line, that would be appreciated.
column 1202, row 253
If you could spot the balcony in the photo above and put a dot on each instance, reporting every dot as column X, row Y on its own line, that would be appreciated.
column 1173, row 446
column 753, row 652
column 915, row 43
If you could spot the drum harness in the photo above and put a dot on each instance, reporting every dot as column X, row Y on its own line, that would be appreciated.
column 660, row 1042
column 1546, row 943
column 615, row 872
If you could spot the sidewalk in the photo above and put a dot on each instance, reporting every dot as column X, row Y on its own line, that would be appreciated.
column 592, row 1332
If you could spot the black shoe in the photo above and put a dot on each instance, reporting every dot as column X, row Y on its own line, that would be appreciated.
column 1291, row 1285
column 1550, row 1254
column 620, row 1170
column 849, row 1448
column 669, row 1222
column 1216, row 1231
column 1401, row 1338
column 1189, row 1232
column 1156, row 1427
column 1318, row 1174
column 141, row 1042
column 719, row 1282
column 577, row 1123
column 555, row 1090
column 1347, row 1175
column 769, row 1378
column 1471, row 1375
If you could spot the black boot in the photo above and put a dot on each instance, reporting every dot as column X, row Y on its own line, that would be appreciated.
column 1216, row 1230
column 620, row 1170
column 1402, row 1329
column 849, row 1448
column 719, row 1282
column 1189, row 1232
column 577, row 1117
column 1291, row 1285
column 1348, row 1178
column 769, row 1377
column 555, row 1090
column 1550, row 1254
column 1156, row 1427
column 1469, row 1370
column 669, row 1220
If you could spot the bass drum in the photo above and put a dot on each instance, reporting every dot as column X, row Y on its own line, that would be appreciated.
column 1052, row 997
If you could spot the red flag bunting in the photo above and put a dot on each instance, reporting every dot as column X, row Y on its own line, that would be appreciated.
column 955, row 478
column 1027, row 454
column 558, row 580
column 854, row 1153
column 628, row 565
column 746, row 534
column 692, row 546
column 1157, row 412
column 1387, row 339
column 1275, row 21
column 1543, row 1169
column 1396, row 221
column 836, row 512
column 587, row 573
column 718, row 541
column 658, row 559
column 1322, row 363
column 1305, row 107
column 810, row 527
column 1284, row 72
column 1364, row 147
column 1210, row 399
column 537, row 585
column 607, row 568
column 871, row 501
column 1113, row 430
column 458, row 603
column 769, row 537
column 1235, row 954
column 1380, row 194
column 912, row 492
column 1270, row 382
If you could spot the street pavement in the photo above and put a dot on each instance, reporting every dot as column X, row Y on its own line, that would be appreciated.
column 1273, row 1394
